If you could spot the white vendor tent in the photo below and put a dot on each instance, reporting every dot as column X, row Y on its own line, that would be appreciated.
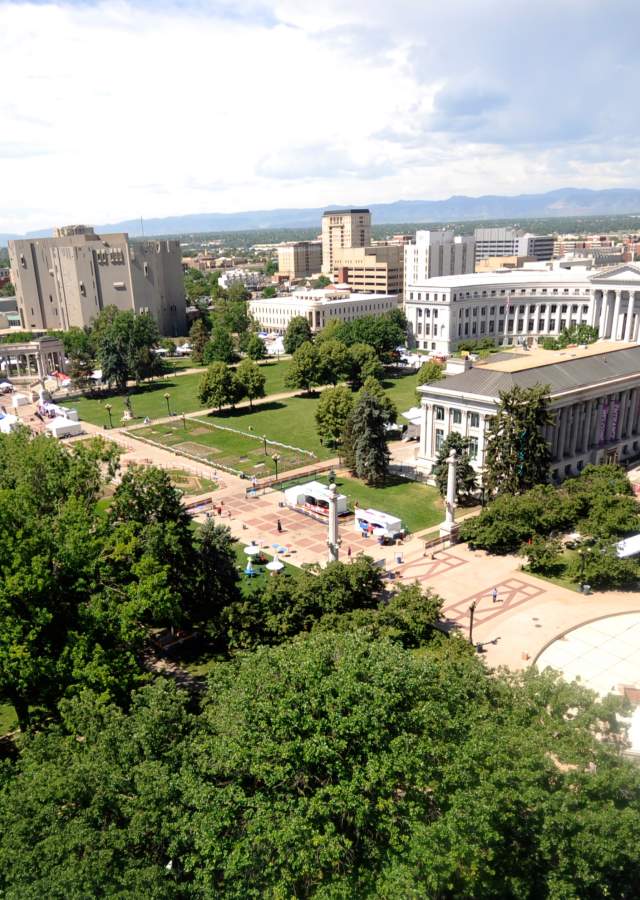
column 383, row 524
column 314, row 497
column 413, row 415
column 62, row 427
column 20, row 400
column 628, row 547
column 8, row 422
column 61, row 411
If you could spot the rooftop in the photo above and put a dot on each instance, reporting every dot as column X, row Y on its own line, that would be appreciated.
column 575, row 369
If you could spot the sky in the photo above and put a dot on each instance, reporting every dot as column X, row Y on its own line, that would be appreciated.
column 115, row 110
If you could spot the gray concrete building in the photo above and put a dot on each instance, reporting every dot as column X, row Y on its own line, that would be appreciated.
column 512, row 242
column 66, row 280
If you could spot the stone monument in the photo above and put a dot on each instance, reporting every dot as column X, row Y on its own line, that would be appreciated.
column 449, row 528
column 333, row 541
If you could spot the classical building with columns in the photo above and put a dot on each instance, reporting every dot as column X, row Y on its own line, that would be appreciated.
column 35, row 358
column 594, row 396
column 523, row 305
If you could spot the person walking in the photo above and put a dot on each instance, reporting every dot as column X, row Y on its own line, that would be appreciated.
column 494, row 595
column 349, row 552
column 279, row 527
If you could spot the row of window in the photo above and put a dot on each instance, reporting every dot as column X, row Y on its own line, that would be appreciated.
column 434, row 296
column 456, row 416
column 473, row 444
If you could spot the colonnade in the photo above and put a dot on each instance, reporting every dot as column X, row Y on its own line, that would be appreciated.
column 32, row 358
column 616, row 314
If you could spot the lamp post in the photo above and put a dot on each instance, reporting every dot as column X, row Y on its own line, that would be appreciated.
column 167, row 397
column 582, row 565
column 264, row 443
column 472, row 610
column 276, row 459
column 107, row 406
column 184, row 421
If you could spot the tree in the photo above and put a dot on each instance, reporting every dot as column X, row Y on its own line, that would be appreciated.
column 251, row 380
column 269, row 291
column 220, row 348
column 238, row 292
column 334, row 362
column 364, row 364
column 322, row 281
column 217, row 387
column 125, row 343
column 368, row 425
column 255, row 348
column 517, row 455
column 598, row 565
column 372, row 386
column 383, row 332
column 429, row 371
column 304, row 371
column 466, row 480
column 298, row 333
column 198, row 338
column 334, row 408
column 543, row 555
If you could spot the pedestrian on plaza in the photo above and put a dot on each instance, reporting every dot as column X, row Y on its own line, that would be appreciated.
column 370, row 529
column 219, row 509
column 279, row 527
column 494, row 595
column 349, row 552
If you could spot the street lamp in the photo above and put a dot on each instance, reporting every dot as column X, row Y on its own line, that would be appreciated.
column 472, row 610
column 276, row 459
column 107, row 406
column 264, row 443
column 582, row 565
column 167, row 397
column 184, row 421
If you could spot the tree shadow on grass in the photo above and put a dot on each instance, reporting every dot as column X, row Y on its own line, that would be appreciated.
column 239, row 413
column 138, row 391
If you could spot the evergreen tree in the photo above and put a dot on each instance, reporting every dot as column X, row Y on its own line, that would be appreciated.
column 198, row 337
column 367, row 434
column 517, row 455
column 465, row 473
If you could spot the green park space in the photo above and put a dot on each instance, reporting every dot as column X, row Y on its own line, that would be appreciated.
column 149, row 399
column 8, row 721
column 289, row 421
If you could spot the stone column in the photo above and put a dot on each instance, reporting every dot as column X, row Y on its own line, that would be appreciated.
column 481, row 436
column 562, row 442
column 556, row 433
column 333, row 541
column 616, row 316
column 428, row 440
column 629, row 325
column 594, row 310
column 576, row 409
column 586, row 429
column 602, row 325
column 622, row 401
column 449, row 528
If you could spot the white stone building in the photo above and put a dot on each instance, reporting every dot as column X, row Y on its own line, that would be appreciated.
column 594, row 392
column 319, row 307
column 522, row 305
column 437, row 253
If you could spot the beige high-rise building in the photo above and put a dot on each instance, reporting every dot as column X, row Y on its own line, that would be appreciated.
column 370, row 270
column 300, row 259
column 343, row 228
column 66, row 280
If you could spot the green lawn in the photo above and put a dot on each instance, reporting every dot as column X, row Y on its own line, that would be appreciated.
column 402, row 390
column 8, row 721
column 418, row 505
column 287, row 421
column 149, row 400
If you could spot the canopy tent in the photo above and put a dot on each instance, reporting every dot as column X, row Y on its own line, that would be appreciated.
column 20, row 400
column 628, row 547
column 61, row 427
column 5, row 386
column 314, row 496
column 252, row 550
column 413, row 415
column 383, row 524
column 52, row 409
column 8, row 422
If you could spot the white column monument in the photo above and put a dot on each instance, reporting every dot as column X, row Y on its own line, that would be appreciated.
column 333, row 541
column 449, row 528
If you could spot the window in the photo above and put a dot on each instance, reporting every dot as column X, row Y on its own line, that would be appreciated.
column 419, row 313
column 439, row 439
column 474, row 420
column 456, row 416
column 438, row 412
column 473, row 448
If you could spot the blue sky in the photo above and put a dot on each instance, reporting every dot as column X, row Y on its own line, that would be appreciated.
column 119, row 109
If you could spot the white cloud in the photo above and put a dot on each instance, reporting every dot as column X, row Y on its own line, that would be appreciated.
column 116, row 109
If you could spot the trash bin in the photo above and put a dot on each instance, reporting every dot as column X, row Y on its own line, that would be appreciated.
column 586, row 588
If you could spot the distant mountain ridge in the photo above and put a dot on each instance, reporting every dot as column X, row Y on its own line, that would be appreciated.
column 561, row 202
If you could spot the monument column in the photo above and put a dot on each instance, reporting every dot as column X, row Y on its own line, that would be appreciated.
column 449, row 529
column 333, row 541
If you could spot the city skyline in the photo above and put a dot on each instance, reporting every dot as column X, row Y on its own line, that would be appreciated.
column 112, row 113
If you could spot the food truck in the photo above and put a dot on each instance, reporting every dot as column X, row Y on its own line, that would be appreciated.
column 377, row 523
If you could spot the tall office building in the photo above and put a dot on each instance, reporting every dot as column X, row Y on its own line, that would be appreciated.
column 437, row 253
column 512, row 242
column 370, row 270
column 300, row 259
column 66, row 280
column 343, row 228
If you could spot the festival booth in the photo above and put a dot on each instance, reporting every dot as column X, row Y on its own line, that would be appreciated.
column 53, row 411
column 61, row 427
column 19, row 400
column 5, row 387
column 628, row 547
column 8, row 423
column 313, row 497
column 377, row 523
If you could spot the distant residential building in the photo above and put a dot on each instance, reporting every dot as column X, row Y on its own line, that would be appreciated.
column 319, row 307
column 512, row 242
column 343, row 228
column 66, row 280
column 5, row 273
column 300, row 259
column 251, row 279
column 203, row 262
column 370, row 270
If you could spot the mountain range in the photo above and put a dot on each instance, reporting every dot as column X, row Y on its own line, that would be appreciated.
column 562, row 202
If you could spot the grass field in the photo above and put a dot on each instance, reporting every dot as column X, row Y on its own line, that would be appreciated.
column 149, row 400
column 8, row 721
column 289, row 421
column 418, row 505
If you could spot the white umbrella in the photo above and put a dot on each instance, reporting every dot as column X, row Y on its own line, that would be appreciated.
column 252, row 550
column 275, row 565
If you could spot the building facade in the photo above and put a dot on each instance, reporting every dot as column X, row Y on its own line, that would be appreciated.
column 66, row 280
column 512, row 242
column 594, row 397
column 370, row 270
column 343, row 228
column 523, row 305
column 300, row 259
column 434, row 254
column 319, row 307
